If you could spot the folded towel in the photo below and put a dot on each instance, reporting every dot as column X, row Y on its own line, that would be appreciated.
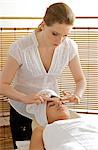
column 39, row 111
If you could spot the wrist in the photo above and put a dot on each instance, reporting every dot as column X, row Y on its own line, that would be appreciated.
column 78, row 95
column 24, row 98
column 78, row 98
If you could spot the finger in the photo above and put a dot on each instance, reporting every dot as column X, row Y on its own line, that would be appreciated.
column 77, row 99
column 66, row 93
column 38, row 102
column 41, row 99
column 67, row 97
column 48, row 99
column 44, row 95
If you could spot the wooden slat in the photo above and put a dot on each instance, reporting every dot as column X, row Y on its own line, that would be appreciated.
column 6, row 138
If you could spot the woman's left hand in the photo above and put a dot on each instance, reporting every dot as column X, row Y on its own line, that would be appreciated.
column 70, row 97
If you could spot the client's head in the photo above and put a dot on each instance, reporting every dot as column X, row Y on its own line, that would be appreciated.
column 56, row 110
column 49, row 111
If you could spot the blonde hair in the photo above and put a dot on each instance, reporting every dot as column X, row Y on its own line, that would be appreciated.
column 59, row 13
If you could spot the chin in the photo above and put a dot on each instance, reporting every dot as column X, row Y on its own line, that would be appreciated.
column 64, row 116
column 55, row 45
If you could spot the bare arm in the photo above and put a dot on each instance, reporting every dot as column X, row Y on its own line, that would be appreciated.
column 37, row 139
column 80, row 81
column 78, row 75
column 7, row 76
column 6, row 89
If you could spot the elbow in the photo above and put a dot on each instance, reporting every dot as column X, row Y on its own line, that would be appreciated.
column 82, row 81
column 1, row 88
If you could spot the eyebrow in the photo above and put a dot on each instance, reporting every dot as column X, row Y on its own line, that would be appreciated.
column 48, row 102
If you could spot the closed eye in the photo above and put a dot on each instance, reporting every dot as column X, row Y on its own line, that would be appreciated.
column 51, row 105
column 55, row 34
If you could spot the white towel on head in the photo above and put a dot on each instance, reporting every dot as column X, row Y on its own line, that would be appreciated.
column 39, row 111
column 49, row 92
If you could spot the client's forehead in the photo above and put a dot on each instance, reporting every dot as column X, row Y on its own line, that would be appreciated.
column 48, row 103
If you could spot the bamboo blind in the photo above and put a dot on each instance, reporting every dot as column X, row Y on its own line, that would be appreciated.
column 6, row 142
column 87, row 40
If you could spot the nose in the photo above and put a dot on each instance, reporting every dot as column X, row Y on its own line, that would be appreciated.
column 58, row 103
column 59, row 39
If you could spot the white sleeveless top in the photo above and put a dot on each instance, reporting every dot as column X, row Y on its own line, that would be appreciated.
column 32, row 76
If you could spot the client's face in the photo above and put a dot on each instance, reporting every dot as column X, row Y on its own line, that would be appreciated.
column 55, row 110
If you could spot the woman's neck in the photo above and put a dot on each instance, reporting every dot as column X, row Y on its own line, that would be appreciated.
column 41, row 40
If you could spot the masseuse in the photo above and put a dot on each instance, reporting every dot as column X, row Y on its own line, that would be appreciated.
column 36, row 60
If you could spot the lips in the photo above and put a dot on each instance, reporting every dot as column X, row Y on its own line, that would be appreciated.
column 56, row 44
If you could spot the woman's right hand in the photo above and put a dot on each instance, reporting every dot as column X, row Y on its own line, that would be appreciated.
column 35, row 98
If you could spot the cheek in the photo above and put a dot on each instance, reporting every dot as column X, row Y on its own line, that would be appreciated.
column 64, row 115
column 51, row 115
column 63, row 38
column 50, row 37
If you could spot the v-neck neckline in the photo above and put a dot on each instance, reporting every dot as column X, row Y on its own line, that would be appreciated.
column 40, row 60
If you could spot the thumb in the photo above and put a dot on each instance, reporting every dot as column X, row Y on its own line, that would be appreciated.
column 66, row 92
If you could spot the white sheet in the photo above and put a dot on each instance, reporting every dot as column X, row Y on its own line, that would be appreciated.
column 73, row 134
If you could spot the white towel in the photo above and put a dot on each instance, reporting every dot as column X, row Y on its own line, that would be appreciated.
column 72, row 134
column 39, row 111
